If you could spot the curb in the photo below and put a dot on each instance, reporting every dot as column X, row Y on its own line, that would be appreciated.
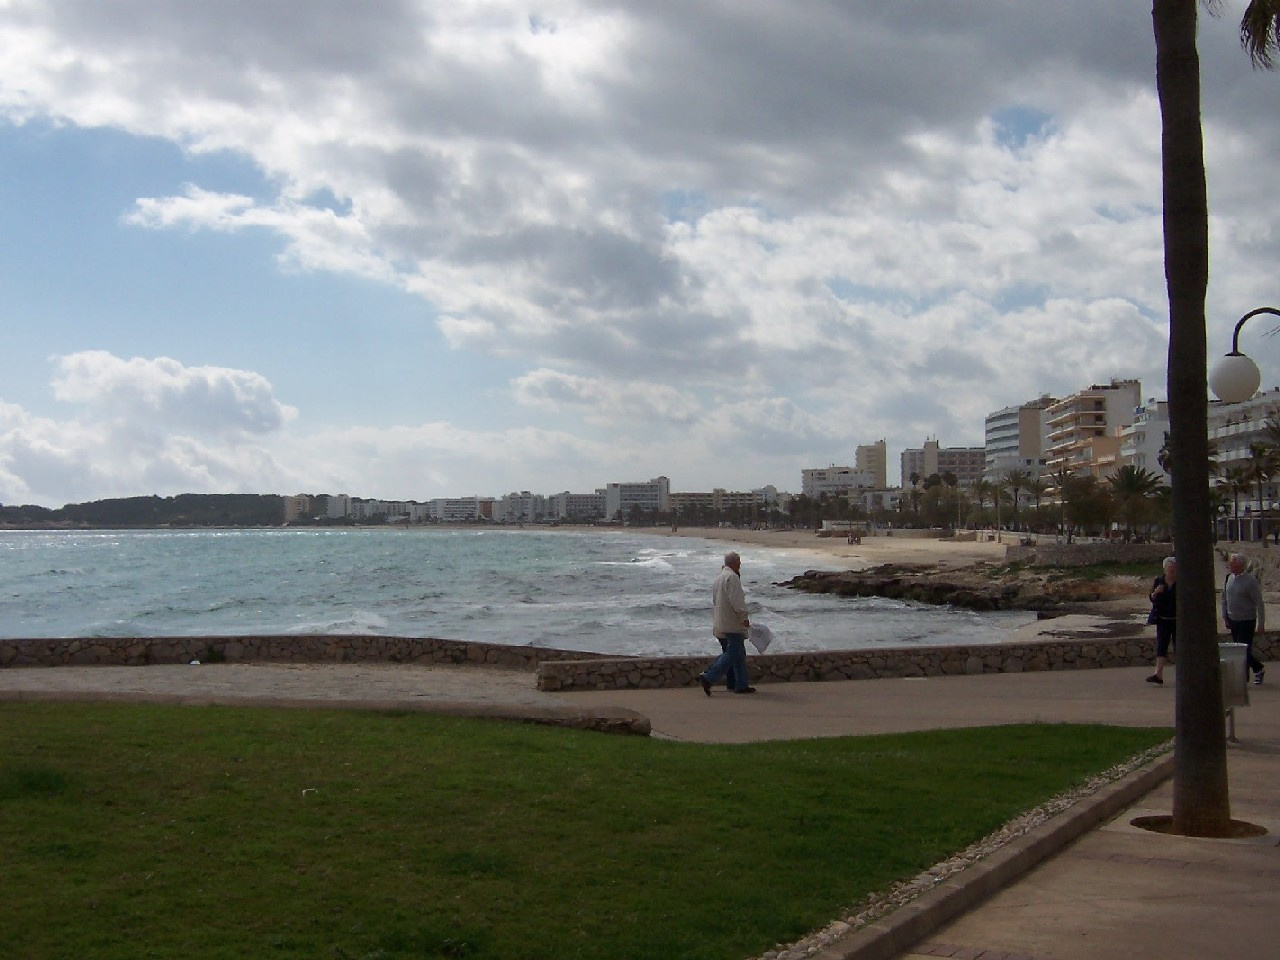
column 895, row 934
column 607, row 720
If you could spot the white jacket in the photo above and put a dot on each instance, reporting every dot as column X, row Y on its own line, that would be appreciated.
column 728, row 604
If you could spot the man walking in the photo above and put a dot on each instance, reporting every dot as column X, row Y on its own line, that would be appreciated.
column 729, row 623
column 1243, row 611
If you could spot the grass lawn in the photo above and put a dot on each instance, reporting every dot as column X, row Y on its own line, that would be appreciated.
column 132, row 831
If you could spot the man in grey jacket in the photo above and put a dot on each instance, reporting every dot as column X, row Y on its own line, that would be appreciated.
column 1244, row 612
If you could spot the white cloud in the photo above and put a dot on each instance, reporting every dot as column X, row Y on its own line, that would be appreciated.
column 143, row 394
column 770, row 231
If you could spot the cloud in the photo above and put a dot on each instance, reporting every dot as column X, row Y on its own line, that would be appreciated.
column 149, row 425
column 766, row 231
column 605, row 402
column 143, row 394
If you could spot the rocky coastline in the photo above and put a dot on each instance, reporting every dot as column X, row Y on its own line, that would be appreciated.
column 982, row 586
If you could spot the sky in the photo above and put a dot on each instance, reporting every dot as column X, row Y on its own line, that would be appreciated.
column 409, row 250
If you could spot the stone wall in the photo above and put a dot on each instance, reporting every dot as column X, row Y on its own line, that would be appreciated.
column 1263, row 561
column 569, row 670
column 868, row 664
column 1084, row 554
column 135, row 651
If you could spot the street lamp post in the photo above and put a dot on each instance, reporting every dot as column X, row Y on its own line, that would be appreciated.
column 1235, row 378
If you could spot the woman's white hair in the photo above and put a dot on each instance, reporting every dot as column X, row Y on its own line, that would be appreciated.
column 1169, row 562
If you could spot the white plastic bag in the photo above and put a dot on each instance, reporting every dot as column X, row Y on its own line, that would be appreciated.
column 760, row 637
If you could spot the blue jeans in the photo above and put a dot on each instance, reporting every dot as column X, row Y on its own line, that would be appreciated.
column 730, row 678
column 732, row 662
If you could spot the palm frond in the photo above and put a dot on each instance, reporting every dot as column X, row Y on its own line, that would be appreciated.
column 1260, row 32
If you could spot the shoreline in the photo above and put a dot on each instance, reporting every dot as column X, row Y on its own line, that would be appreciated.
column 1100, row 619
column 872, row 551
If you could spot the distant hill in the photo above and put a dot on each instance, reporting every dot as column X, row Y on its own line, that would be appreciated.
column 184, row 510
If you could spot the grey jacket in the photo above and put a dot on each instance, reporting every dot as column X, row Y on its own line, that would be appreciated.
column 1242, row 599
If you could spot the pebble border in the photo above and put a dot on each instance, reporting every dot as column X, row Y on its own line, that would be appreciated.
column 886, row 925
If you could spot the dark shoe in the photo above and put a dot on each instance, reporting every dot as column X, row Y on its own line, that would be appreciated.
column 746, row 690
column 1155, row 679
column 1257, row 677
column 706, row 687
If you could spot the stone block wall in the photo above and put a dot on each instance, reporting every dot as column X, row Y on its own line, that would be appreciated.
column 875, row 663
column 570, row 670
column 140, row 651
column 1084, row 554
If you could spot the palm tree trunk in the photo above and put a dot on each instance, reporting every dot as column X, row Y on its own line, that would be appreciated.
column 1201, row 805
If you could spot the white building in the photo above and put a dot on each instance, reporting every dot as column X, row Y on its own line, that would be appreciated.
column 833, row 481
column 461, row 509
column 1015, row 439
column 621, row 498
column 523, row 507
column 1233, row 426
column 576, row 506
column 1142, row 440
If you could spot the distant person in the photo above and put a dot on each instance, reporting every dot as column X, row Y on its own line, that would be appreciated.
column 729, row 623
column 1243, row 612
column 1164, row 614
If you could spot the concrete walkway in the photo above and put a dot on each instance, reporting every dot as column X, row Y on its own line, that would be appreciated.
column 1086, row 885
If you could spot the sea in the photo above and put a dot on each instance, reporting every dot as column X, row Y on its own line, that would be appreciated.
column 612, row 591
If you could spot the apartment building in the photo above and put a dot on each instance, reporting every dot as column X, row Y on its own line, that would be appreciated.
column 967, row 463
column 833, row 481
column 720, row 500
column 1142, row 440
column 460, row 509
column 523, row 507
column 1233, row 426
column 1015, row 438
column 621, row 498
column 873, row 460
column 299, row 505
column 1084, row 428
column 576, row 506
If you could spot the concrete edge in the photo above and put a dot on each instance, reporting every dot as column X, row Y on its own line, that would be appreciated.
column 606, row 720
column 895, row 934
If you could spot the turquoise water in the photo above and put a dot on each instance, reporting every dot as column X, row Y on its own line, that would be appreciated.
column 609, row 592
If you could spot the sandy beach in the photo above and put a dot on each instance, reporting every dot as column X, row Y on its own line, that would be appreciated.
column 837, row 551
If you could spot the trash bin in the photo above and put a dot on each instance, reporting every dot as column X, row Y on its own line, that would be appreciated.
column 1231, row 663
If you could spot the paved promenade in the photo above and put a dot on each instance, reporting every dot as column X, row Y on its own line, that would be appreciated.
column 1102, row 889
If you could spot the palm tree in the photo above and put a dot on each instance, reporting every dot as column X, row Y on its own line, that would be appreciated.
column 1236, row 481
column 1037, row 488
column 1201, row 806
column 1263, row 465
column 983, row 491
column 1016, row 480
column 1132, row 488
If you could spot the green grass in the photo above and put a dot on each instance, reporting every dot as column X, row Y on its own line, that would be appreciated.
column 1089, row 572
column 136, row 831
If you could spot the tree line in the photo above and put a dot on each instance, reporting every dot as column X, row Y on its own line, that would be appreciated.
column 183, row 510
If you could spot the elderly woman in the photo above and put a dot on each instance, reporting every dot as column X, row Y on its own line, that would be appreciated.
column 1164, row 613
